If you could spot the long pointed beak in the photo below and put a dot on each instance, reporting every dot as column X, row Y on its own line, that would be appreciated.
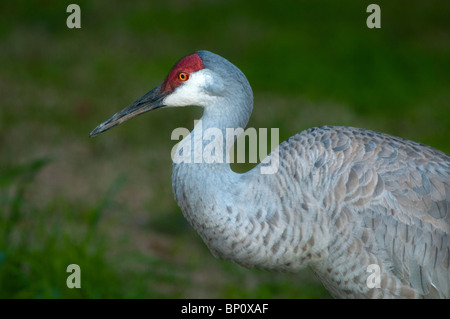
column 150, row 101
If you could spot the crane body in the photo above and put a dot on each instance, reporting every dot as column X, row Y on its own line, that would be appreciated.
column 343, row 200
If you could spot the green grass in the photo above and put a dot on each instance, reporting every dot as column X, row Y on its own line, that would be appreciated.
column 37, row 244
column 106, row 204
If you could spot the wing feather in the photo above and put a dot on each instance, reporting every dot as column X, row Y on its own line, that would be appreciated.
column 399, row 190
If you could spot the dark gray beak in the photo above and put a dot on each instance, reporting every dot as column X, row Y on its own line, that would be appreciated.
column 150, row 101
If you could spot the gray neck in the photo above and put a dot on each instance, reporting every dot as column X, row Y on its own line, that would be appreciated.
column 208, row 145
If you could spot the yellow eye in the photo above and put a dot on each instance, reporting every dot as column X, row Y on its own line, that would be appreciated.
column 182, row 76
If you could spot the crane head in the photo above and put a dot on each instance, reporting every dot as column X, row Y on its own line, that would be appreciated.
column 190, row 82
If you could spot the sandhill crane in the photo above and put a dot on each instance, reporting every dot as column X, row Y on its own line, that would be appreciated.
column 368, row 212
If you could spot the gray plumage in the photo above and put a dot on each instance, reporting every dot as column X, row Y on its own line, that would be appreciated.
column 343, row 199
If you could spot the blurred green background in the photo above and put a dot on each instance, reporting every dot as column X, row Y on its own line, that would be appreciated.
column 106, row 204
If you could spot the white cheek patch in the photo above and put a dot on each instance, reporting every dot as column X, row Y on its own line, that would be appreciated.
column 195, row 91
